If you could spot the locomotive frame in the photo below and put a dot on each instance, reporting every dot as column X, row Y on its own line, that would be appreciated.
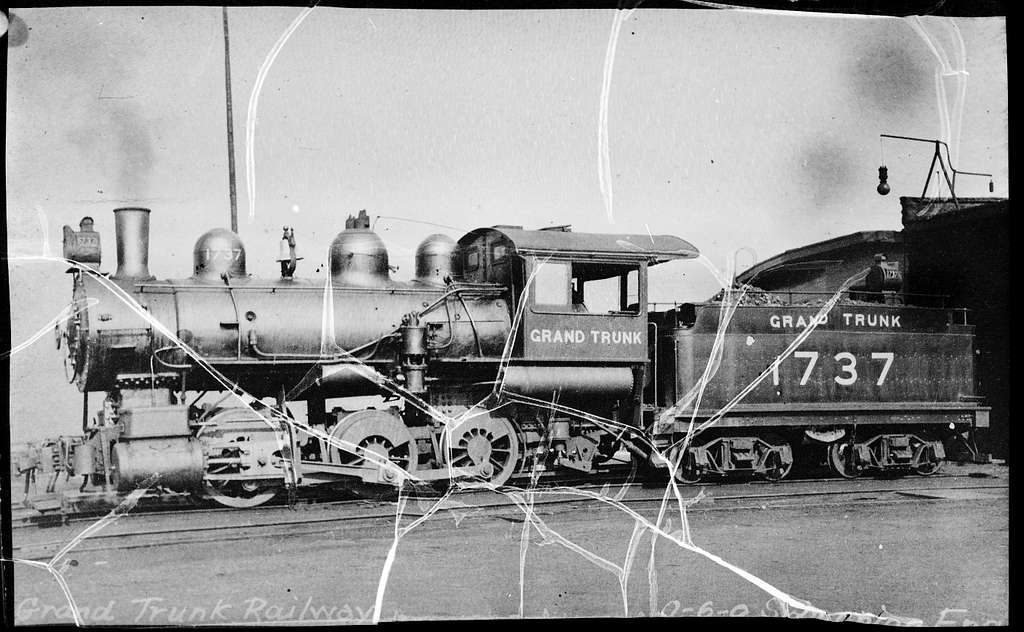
column 491, row 363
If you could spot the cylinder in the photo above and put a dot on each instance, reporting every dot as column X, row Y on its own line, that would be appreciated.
column 131, row 230
column 414, row 338
column 82, row 459
column 177, row 462
column 415, row 375
column 559, row 430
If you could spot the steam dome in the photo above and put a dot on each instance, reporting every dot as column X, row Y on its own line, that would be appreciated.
column 358, row 255
column 218, row 252
column 436, row 259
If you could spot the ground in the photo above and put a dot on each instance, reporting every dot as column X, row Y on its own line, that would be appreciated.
column 939, row 557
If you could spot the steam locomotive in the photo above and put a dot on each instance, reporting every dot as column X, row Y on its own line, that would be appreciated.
column 510, row 351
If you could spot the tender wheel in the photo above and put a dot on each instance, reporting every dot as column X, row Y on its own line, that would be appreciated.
column 239, row 443
column 687, row 471
column 925, row 461
column 840, row 459
column 379, row 436
column 481, row 439
column 777, row 469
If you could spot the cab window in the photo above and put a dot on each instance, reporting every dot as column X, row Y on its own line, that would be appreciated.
column 612, row 294
column 472, row 261
column 551, row 284
column 587, row 287
column 499, row 264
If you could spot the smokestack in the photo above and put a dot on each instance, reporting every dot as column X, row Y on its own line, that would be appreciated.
column 131, row 229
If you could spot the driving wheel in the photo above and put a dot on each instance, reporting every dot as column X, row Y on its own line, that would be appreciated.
column 481, row 439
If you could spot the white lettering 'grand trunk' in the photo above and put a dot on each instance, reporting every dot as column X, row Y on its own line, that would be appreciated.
column 578, row 336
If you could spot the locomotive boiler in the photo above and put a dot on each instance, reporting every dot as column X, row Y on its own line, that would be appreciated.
column 510, row 351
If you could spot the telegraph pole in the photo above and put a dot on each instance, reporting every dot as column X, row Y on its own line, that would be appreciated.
column 231, row 126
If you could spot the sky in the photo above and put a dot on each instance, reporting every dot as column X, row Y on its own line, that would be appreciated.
column 744, row 133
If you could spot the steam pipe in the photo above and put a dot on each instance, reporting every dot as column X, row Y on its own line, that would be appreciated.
column 131, row 230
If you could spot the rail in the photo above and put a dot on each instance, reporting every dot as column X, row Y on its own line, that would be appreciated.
column 271, row 523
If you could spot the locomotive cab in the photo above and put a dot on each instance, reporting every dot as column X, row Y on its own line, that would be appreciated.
column 585, row 294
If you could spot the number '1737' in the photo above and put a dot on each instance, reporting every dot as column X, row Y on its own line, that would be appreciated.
column 847, row 365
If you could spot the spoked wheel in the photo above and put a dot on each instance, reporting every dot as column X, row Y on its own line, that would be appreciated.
column 776, row 468
column 241, row 495
column 840, row 459
column 373, row 438
column 481, row 439
column 926, row 462
column 237, row 442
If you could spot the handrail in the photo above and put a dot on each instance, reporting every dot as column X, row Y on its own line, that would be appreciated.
column 792, row 295
column 654, row 361
column 936, row 157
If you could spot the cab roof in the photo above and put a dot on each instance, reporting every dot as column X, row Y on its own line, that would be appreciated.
column 654, row 248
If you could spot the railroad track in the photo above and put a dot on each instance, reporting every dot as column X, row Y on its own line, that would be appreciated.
column 131, row 531
column 25, row 517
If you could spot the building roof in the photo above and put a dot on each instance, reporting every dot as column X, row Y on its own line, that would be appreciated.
column 820, row 254
column 655, row 248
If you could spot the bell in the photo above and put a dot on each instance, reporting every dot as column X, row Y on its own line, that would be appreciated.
column 286, row 253
column 284, row 249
